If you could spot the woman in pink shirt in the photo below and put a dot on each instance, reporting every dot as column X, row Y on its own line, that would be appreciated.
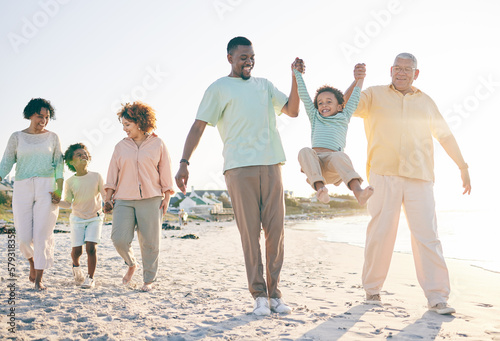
column 138, row 189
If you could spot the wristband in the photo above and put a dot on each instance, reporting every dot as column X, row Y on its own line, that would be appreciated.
column 185, row 161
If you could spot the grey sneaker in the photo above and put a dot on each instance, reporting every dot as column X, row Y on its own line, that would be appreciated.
column 261, row 306
column 78, row 274
column 373, row 299
column 279, row 306
column 88, row 283
column 442, row 308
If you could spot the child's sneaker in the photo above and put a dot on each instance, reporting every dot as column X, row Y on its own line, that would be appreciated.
column 78, row 274
column 88, row 283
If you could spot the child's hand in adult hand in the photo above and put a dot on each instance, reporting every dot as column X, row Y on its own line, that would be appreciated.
column 298, row 64
column 56, row 197
column 359, row 71
column 108, row 206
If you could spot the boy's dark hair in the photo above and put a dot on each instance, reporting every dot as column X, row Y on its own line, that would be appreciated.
column 68, row 154
column 35, row 105
column 235, row 42
column 326, row 88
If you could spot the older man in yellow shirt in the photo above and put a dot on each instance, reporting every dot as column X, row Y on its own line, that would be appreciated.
column 400, row 122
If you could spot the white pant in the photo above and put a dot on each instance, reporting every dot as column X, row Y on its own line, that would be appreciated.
column 417, row 198
column 34, row 219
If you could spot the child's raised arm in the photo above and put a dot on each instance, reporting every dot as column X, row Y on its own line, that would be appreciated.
column 303, row 94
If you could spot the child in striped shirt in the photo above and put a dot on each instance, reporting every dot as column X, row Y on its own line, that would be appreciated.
column 326, row 162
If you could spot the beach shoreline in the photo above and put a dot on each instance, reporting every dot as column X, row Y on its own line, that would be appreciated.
column 202, row 293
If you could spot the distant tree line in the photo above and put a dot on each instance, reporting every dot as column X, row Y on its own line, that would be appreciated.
column 5, row 199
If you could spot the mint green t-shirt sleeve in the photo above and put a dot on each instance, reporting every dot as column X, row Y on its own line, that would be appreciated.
column 279, row 99
column 304, row 95
column 352, row 103
column 9, row 157
column 57, row 159
column 210, row 109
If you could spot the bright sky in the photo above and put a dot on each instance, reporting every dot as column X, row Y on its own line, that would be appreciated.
column 87, row 57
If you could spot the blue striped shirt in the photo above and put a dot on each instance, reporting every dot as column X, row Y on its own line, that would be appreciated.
column 327, row 132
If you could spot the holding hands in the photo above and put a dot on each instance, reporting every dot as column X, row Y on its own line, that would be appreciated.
column 359, row 71
column 298, row 64
column 108, row 206
column 56, row 196
column 359, row 74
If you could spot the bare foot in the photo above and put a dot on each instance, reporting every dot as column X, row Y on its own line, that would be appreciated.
column 147, row 287
column 322, row 195
column 128, row 276
column 32, row 275
column 364, row 195
column 40, row 287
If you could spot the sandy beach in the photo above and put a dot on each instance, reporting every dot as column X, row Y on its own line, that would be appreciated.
column 202, row 294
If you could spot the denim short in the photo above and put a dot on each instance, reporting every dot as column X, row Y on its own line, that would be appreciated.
column 85, row 230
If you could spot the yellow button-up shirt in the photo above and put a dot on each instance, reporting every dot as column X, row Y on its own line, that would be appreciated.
column 399, row 130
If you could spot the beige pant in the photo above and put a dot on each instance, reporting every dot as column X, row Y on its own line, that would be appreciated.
column 384, row 206
column 327, row 167
column 257, row 197
column 146, row 215
column 34, row 219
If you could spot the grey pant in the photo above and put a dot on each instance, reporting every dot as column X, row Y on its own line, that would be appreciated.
column 257, row 197
column 146, row 215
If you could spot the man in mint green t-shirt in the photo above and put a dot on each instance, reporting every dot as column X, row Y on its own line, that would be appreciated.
column 244, row 110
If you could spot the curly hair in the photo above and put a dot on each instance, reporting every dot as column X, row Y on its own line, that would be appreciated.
column 326, row 88
column 139, row 113
column 68, row 154
column 35, row 105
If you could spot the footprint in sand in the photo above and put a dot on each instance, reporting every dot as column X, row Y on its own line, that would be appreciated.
column 495, row 334
column 65, row 319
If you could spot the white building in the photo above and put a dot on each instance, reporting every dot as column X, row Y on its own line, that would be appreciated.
column 200, row 202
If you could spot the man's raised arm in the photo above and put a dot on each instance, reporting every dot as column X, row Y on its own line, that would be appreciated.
column 291, row 108
column 359, row 73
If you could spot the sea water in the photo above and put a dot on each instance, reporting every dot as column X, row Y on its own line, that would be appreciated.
column 473, row 236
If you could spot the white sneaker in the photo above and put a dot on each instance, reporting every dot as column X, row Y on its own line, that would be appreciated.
column 88, row 283
column 442, row 308
column 78, row 274
column 261, row 306
column 279, row 306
